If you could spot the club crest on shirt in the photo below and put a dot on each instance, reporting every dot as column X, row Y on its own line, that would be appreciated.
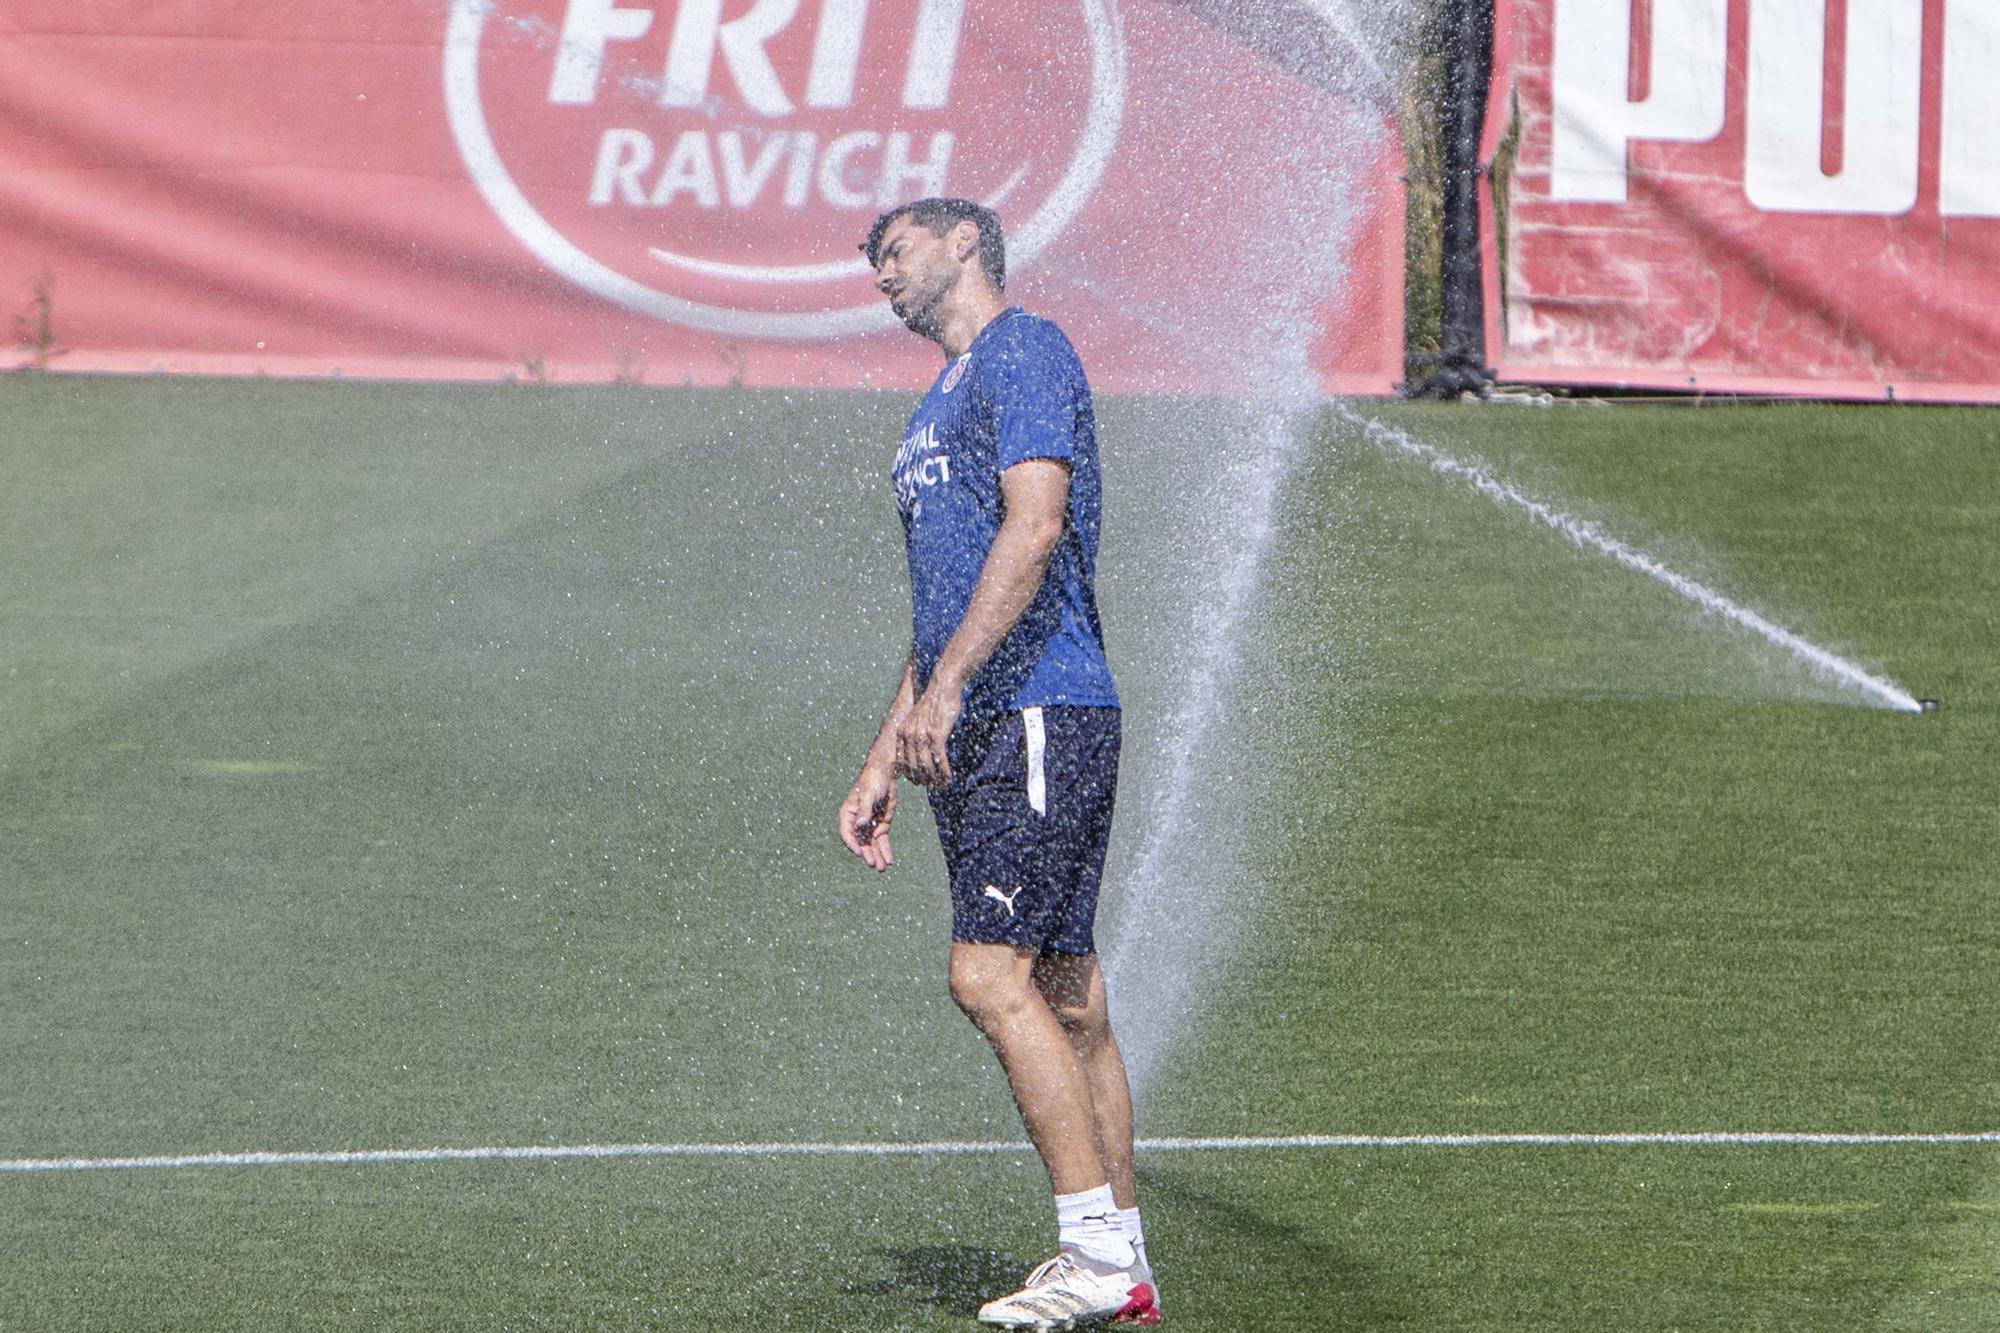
column 955, row 374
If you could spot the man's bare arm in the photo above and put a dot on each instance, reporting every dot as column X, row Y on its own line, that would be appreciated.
column 1036, row 492
column 871, row 801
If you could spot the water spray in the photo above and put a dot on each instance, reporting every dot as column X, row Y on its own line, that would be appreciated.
column 1158, row 977
column 1153, row 995
column 1158, row 970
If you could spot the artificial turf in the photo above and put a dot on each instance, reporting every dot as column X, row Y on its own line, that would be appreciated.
column 401, row 766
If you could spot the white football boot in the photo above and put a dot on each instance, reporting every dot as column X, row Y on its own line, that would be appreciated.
column 1071, row 1291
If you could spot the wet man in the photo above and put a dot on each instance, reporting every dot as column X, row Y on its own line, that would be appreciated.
column 1007, row 713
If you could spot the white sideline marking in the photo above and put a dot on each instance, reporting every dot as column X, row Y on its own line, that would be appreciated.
column 950, row 1148
column 1583, row 533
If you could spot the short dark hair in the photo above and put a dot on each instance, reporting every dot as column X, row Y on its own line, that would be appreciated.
column 938, row 216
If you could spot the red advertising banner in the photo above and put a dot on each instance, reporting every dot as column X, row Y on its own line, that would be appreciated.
column 1787, row 196
column 591, row 190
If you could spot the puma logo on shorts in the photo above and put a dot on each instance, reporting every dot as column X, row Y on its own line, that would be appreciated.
column 1004, row 899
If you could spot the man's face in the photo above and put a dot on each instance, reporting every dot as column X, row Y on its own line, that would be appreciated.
column 915, row 270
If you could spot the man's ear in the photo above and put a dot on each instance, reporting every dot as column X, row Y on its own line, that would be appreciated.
column 965, row 240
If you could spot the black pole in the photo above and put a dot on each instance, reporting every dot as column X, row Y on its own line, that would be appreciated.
column 1466, row 35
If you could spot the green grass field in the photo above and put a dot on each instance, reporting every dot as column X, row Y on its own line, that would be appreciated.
column 404, row 767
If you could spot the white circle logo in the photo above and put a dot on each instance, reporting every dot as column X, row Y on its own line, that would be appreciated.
column 717, row 171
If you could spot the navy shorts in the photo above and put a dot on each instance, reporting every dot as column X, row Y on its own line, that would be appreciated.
column 1025, row 821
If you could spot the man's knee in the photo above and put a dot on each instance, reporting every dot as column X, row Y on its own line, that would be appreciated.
column 1077, row 1013
column 989, row 982
column 1074, row 989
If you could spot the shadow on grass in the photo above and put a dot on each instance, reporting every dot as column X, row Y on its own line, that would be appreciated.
column 953, row 1279
column 1224, row 1264
column 1238, row 1267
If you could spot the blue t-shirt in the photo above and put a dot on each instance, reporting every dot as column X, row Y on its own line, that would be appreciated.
column 1017, row 393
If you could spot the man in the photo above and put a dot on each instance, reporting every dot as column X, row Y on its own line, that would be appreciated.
column 1007, row 713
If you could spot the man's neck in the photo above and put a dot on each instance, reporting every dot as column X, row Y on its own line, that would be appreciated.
column 967, row 317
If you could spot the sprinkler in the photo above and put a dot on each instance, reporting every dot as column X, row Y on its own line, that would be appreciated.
column 1927, row 705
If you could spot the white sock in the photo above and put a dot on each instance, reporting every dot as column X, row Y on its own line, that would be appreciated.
column 1087, row 1222
column 1135, row 1233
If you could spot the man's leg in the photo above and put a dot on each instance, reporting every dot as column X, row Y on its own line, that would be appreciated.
column 1073, row 986
column 1097, row 1274
column 995, row 985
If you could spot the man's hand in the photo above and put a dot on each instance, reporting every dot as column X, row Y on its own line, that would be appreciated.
column 865, row 816
column 923, row 739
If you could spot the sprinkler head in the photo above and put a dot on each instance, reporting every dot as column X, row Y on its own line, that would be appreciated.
column 1927, row 705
